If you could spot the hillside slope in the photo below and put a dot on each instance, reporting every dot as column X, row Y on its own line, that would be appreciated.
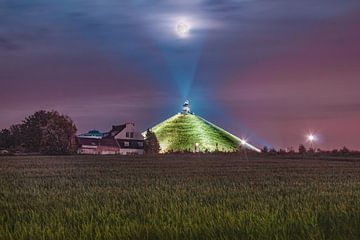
column 182, row 131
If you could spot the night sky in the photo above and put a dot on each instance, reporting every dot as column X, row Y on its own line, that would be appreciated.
column 270, row 71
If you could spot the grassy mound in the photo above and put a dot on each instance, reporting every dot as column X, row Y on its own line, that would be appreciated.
column 182, row 131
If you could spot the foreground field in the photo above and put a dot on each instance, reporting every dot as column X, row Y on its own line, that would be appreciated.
column 178, row 197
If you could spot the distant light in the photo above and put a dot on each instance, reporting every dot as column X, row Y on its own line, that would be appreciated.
column 197, row 149
column 182, row 28
column 243, row 141
column 311, row 138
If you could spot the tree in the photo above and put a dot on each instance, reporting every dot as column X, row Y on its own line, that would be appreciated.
column 344, row 150
column 273, row 151
column 34, row 127
column 16, row 137
column 265, row 149
column 46, row 132
column 5, row 139
column 290, row 150
column 334, row 151
column 302, row 149
column 282, row 151
column 58, row 135
column 151, row 145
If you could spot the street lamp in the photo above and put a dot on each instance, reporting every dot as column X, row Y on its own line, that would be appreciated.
column 311, row 138
column 197, row 147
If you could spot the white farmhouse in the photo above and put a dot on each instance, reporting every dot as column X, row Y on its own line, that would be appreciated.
column 121, row 139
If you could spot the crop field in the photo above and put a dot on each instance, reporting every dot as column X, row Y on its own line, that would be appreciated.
column 178, row 197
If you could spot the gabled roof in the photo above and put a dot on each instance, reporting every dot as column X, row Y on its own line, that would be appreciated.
column 116, row 129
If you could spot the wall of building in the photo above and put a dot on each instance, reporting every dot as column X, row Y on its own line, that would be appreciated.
column 130, row 128
column 131, row 151
column 109, row 151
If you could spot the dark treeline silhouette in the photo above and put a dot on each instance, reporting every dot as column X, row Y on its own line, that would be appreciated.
column 44, row 132
column 302, row 151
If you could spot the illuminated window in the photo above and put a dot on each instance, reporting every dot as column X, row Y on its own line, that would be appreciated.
column 126, row 144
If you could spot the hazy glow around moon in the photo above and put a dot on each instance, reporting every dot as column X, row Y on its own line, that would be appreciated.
column 182, row 29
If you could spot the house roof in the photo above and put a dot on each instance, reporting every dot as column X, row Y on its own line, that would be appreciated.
column 116, row 129
column 92, row 134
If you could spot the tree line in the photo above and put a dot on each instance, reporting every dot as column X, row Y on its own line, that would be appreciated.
column 49, row 132
column 44, row 132
column 302, row 150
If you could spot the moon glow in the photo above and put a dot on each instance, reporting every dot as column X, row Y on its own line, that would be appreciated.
column 182, row 29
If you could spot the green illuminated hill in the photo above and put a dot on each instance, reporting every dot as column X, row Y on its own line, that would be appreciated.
column 183, row 131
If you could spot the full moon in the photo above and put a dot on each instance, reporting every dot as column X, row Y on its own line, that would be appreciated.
column 182, row 29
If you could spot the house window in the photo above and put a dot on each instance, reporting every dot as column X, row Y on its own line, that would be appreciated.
column 126, row 144
column 127, row 134
column 140, row 144
column 131, row 135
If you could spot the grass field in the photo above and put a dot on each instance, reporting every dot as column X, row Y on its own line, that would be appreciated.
column 178, row 197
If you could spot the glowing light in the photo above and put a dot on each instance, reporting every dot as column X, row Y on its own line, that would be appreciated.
column 182, row 29
column 243, row 142
column 311, row 138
